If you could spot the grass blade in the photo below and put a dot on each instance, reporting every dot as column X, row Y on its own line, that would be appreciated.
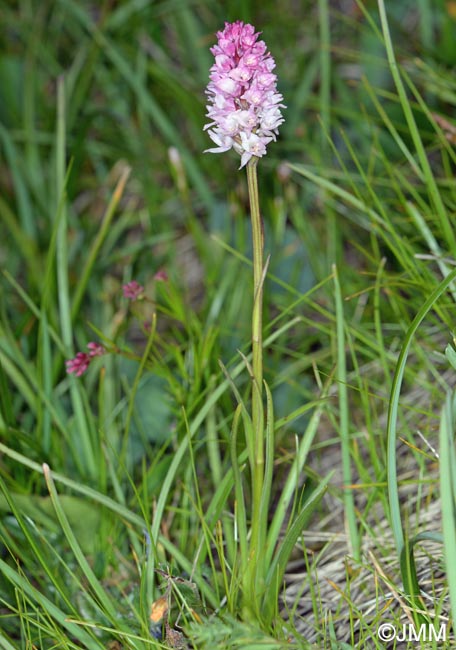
column 344, row 429
column 273, row 582
column 393, row 407
column 431, row 184
column 448, row 494
column 105, row 601
column 75, row 631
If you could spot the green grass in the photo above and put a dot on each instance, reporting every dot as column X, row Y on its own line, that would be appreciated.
column 133, row 482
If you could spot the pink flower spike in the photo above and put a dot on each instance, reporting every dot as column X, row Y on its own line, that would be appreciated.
column 95, row 349
column 132, row 290
column 78, row 365
column 243, row 102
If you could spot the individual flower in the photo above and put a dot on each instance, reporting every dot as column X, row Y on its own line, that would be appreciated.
column 161, row 276
column 78, row 365
column 95, row 349
column 243, row 102
column 132, row 290
column 81, row 361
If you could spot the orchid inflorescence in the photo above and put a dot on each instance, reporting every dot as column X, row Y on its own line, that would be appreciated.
column 244, row 104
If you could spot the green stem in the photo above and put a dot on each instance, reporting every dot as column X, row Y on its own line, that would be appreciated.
column 257, row 325
column 257, row 462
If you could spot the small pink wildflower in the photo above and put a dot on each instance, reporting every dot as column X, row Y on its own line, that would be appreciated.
column 243, row 102
column 132, row 290
column 81, row 361
column 161, row 276
column 79, row 364
column 95, row 349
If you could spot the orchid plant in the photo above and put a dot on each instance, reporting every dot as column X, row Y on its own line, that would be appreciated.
column 244, row 109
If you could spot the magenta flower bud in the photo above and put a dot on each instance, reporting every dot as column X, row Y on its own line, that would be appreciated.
column 95, row 349
column 243, row 102
column 78, row 365
column 132, row 290
column 161, row 276
column 82, row 360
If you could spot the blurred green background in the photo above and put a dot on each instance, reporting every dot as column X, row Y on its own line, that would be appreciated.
column 93, row 91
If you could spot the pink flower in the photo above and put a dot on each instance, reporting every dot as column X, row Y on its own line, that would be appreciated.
column 78, row 365
column 161, row 276
column 132, row 290
column 95, row 349
column 81, row 361
column 243, row 102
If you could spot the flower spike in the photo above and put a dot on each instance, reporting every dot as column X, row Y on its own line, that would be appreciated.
column 243, row 102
